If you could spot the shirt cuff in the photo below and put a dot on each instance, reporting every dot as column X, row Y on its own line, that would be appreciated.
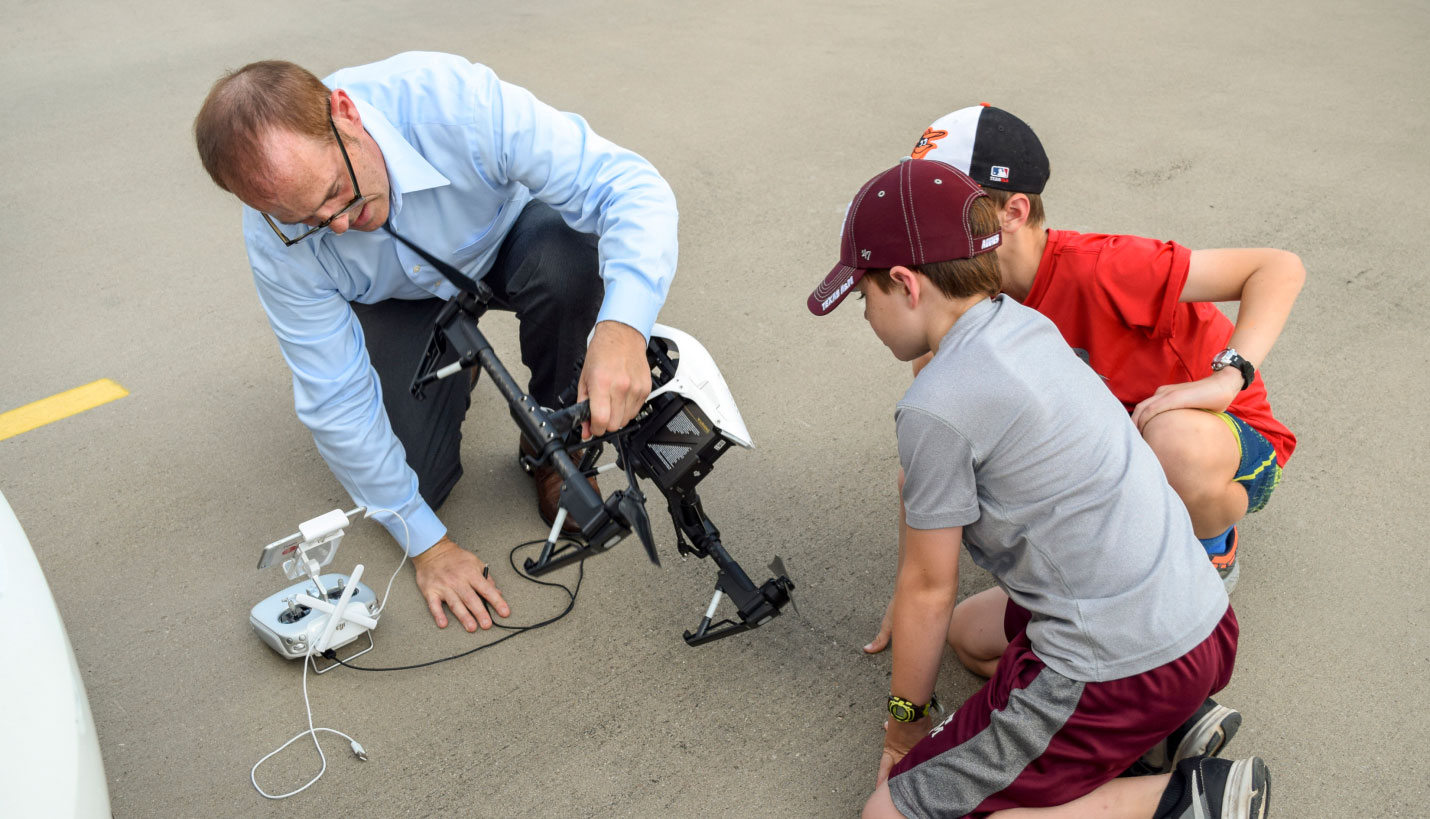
column 423, row 530
column 631, row 303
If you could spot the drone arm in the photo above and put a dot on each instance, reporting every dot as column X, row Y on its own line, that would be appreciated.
column 457, row 331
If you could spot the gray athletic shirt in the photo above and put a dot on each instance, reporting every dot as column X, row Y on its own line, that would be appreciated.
column 1008, row 434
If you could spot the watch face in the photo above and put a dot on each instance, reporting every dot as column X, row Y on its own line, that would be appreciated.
column 902, row 711
column 1224, row 358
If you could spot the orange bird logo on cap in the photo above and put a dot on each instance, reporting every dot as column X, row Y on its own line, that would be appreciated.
column 927, row 142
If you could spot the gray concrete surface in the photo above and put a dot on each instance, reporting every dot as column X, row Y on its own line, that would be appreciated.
column 1297, row 125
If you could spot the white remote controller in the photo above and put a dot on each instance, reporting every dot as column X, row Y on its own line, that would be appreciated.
column 290, row 628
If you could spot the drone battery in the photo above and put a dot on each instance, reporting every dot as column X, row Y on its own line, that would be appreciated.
column 677, row 443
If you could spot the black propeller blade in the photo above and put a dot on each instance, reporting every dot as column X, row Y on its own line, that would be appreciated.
column 632, row 506
column 777, row 566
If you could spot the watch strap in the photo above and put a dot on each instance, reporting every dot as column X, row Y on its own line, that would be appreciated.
column 903, row 710
column 1232, row 357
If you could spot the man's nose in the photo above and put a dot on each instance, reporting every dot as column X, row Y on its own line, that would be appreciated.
column 340, row 224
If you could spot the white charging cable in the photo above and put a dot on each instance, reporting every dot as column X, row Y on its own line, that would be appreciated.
column 357, row 749
column 406, row 543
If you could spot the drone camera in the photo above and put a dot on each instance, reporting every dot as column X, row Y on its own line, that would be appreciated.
column 677, row 444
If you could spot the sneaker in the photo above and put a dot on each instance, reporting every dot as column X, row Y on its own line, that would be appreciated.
column 1205, row 733
column 1226, row 564
column 1217, row 789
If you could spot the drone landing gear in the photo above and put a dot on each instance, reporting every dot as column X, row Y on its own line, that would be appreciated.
column 695, row 535
column 563, row 550
column 756, row 605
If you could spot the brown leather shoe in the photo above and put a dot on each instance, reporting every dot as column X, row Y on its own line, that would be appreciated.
column 548, row 489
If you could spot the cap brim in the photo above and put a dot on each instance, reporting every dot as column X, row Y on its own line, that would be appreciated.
column 835, row 287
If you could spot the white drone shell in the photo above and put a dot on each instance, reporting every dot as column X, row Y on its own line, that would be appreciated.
column 698, row 379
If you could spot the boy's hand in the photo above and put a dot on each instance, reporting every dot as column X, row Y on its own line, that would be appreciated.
column 899, row 737
column 886, row 631
column 1215, row 393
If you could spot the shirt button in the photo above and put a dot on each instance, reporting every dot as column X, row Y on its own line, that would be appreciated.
column 416, row 268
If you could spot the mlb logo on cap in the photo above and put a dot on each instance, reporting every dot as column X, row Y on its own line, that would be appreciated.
column 998, row 172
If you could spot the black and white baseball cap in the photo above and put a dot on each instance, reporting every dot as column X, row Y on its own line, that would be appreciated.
column 992, row 146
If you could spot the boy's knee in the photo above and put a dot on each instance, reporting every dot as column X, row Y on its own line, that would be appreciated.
column 962, row 651
column 1194, row 447
column 881, row 805
column 965, row 632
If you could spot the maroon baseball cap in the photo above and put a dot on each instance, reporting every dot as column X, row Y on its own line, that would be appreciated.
column 914, row 213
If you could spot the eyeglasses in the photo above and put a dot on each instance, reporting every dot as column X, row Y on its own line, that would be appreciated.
column 356, row 203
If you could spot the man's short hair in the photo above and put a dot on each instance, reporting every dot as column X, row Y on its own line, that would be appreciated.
column 245, row 104
column 960, row 278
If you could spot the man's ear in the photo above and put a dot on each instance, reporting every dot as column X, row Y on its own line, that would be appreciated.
column 907, row 281
column 344, row 110
column 1014, row 214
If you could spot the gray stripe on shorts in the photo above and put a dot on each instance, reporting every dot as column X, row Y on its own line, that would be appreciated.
column 958, row 780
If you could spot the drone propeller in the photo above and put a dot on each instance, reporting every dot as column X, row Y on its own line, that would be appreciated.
column 782, row 578
column 632, row 507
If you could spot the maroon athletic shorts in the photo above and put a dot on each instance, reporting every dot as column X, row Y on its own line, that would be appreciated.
column 1031, row 737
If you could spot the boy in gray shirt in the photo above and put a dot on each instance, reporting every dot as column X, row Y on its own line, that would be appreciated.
column 1118, row 627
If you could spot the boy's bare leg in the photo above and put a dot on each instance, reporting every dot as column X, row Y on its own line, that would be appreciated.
column 975, row 633
column 1200, row 455
column 1134, row 797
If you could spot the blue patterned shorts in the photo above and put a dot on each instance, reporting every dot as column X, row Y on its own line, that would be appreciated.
column 1258, row 471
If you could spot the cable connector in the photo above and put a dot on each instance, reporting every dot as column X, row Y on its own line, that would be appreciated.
column 358, row 751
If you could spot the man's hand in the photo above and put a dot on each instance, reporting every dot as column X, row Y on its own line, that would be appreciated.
column 899, row 737
column 1215, row 393
column 886, row 631
column 447, row 573
column 615, row 378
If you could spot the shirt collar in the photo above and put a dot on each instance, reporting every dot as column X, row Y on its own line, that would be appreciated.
column 407, row 170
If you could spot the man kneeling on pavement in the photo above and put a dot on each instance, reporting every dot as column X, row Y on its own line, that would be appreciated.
column 569, row 230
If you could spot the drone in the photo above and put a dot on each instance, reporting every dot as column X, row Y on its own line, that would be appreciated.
column 688, row 421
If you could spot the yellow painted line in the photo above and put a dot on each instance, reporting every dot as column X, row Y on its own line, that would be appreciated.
column 63, row 405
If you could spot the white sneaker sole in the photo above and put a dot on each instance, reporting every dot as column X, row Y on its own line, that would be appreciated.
column 1248, row 790
column 1229, row 582
column 1210, row 735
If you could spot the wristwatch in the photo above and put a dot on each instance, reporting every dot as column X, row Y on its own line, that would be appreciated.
column 1230, row 357
column 903, row 710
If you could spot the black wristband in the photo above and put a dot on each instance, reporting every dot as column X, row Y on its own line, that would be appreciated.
column 1248, row 372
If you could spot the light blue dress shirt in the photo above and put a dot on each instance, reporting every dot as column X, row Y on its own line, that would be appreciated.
column 465, row 152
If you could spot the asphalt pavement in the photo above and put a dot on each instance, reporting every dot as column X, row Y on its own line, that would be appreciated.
column 1292, row 125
